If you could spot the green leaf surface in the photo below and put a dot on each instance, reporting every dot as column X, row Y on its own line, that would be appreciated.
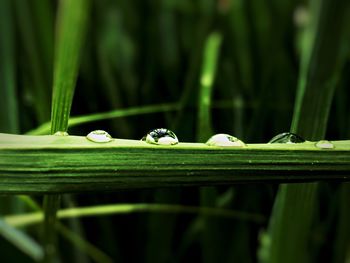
column 58, row 164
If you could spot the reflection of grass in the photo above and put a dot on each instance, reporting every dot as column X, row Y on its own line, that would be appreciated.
column 117, row 56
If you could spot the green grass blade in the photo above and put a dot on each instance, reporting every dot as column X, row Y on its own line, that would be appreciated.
column 8, row 99
column 50, row 207
column 204, row 131
column 134, row 111
column 295, row 205
column 22, row 220
column 30, row 202
column 22, row 241
column 63, row 164
column 209, row 66
column 71, row 27
column 325, row 48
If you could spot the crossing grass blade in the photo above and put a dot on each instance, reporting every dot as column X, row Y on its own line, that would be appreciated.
column 134, row 111
column 208, row 195
column 323, row 42
column 295, row 205
column 209, row 66
column 28, row 219
column 104, row 210
column 71, row 27
column 51, row 204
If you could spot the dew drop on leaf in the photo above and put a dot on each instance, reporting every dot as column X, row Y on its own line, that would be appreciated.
column 287, row 137
column 161, row 136
column 61, row 133
column 324, row 144
column 224, row 140
column 99, row 136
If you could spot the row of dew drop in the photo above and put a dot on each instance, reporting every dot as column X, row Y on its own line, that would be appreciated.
column 162, row 136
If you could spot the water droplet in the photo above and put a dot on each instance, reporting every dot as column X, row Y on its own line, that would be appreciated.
column 61, row 133
column 224, row 140
column 287, row 137
column 99, row 136
column 324, row 144
column 161, row 136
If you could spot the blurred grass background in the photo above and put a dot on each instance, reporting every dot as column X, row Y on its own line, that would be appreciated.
column 224, row 66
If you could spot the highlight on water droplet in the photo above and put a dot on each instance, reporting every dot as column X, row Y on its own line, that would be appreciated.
column 224, row 140
column 161, row 136
column 287, row 137
column 61, row 133
column 99, row 136
column 324, row 144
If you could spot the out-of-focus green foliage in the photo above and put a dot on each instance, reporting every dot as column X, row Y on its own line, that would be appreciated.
column 141, row 53
column 295, row 205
